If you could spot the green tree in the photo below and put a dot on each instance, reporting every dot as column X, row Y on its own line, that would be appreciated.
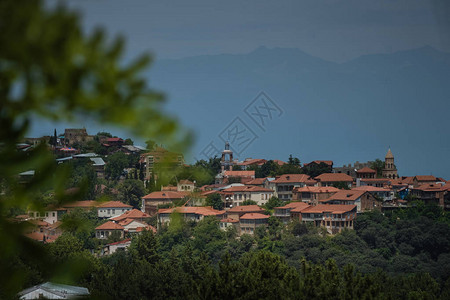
column 60, row 72
column 378, row 165
column 341, row 185
column 115, row 165
column 273, row 202
column 131, row 192
column 215, row 201
column 249, row 202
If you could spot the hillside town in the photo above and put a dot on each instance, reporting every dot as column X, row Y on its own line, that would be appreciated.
column 241, row 195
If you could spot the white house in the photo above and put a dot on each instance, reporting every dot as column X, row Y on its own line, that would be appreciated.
column 112, row 209
column 237, row 194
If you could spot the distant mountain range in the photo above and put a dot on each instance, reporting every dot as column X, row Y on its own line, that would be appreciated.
column 344, row 112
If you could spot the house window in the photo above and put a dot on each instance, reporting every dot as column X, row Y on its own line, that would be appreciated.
column 109, row 211
column 113, row 211
column 53, row 214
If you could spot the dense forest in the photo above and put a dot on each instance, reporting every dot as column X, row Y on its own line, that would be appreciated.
column 401, row 254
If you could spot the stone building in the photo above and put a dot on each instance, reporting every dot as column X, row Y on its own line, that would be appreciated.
column 390, row 170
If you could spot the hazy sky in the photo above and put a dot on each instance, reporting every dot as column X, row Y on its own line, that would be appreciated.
column 336, row 30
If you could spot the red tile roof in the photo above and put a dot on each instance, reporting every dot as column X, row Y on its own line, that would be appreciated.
column 256, row 181
column 334, row 177
column 431, row 187
column 368, row 188
column 247, row 188
column 349, row 195
column 167, row 195
column 202, row 210
column 131, row 214
column 253, row 216
column 377, row 180
column 148, row 228
column 366, row 170
column 82, row 204
column 333, row 208
column 120, row 242
column 228, row 220
column 185, row 182
column 255, row 161
column 327, row 162
column 125, row 222
column 245, row 208
column 425, row 178
column 316, row 189
column 291, row 178
column 115, row 204
column 239, row 174
column 279, row 162
column 109, row 226
column 294, row 205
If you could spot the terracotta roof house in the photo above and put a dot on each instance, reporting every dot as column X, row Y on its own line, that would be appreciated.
column 250, row 221
column 189, row 213
column 237, row 211
column 363, row 200
column 387, row 194
column 151, row 201
column 432, row 193
column 235, row 195
column 105, row 230
column 334, row 218
column 132, row 214
column 329, row 179
column 284, row 212
column 419, row 180
column 366, row 172
column 249, row 162
column 286, row 183
column 257, row 182
column 313, row 194
column 112, row 209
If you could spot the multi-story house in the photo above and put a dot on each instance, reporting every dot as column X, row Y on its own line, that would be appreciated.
column 112, row 209
column 250, row 221
column 107, row 229
column 366, row 172
column 238, row 194
column 151, row 201
column 363, row 200
column 284, row 212
column 330, row 179
column 431, row 193
column 188, row 213
column 238, row 211
column 383, row 193
column 334, row 218
column 284, row 185
column 313, row 194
